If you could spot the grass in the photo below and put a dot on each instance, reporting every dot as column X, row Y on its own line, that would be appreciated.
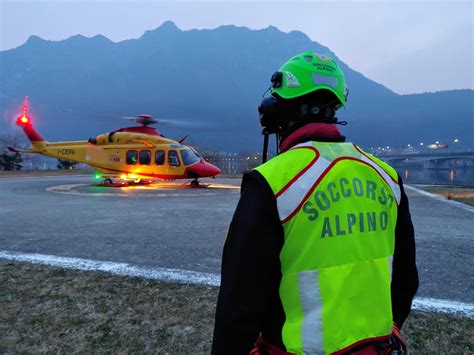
column 438, row 334
column 461, row 194
column 46, row 309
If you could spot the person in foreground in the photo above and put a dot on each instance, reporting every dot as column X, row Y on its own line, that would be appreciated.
column 320, row 254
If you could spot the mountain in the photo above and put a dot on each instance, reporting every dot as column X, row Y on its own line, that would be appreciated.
column 78, row 88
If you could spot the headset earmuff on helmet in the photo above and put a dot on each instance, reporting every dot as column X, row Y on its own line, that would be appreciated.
column 276, row 113
column 277, row 79
column 270, row 114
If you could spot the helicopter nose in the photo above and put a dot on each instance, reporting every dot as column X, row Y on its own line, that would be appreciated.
column 212, row 169
column 203, row 169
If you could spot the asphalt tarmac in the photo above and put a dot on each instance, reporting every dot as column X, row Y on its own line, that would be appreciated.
column 174, row 227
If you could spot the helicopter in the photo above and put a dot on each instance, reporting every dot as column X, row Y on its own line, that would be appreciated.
column 131, row 155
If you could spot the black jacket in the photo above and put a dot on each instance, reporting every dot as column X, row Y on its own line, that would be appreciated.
column 249, row 302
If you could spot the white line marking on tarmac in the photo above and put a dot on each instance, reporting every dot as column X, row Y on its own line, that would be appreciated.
column 444, row 306
column 116, row 268
column 194, row 277
column 441, row 198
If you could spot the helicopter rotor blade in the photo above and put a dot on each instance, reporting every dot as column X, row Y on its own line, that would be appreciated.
column 185, row 122
column 146, row 119
column 142, row 119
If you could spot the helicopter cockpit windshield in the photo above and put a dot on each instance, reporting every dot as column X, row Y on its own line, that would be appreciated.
column 189, row 157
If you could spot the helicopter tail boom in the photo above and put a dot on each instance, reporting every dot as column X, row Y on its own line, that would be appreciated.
column 32, row 134
column 16, row 150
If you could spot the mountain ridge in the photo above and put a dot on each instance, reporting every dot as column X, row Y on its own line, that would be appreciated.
column 217, row 76
column 171, row 25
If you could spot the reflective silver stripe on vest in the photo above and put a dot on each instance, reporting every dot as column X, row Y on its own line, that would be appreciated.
column 312, row 306
column 291, row 198
column 390, row 265
column 393, row 186
column 289, row 201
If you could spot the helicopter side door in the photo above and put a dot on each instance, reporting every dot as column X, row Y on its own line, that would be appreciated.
column 175, row 165
column 160, row 165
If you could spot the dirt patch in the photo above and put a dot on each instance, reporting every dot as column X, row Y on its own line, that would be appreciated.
column 461, row 194
column 46, row 309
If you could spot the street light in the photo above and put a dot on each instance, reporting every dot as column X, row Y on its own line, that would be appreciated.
column 421, row 143
column 456, row 140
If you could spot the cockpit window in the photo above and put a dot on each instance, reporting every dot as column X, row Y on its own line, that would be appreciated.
column 195, row 152
column 173, row 159
column 189, row 157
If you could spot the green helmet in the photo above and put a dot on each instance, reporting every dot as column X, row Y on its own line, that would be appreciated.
column 308, row 72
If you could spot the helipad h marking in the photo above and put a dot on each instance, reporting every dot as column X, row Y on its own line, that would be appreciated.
column 69, row 189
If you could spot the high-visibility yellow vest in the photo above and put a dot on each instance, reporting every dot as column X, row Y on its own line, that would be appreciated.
column 338, row 208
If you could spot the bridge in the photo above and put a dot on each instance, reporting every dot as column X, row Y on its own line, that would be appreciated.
column 431, row 160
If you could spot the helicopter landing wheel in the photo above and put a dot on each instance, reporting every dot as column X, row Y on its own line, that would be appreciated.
column 111, row 182
column 197, row 185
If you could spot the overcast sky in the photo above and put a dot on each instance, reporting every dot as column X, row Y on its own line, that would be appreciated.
column 409, row 46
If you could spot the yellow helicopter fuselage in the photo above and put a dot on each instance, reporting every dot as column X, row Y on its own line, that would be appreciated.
column 127, row 154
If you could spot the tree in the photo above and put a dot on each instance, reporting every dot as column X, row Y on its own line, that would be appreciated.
column 18, row 140
column 10, row 162
column 66, row 164
column 13, row 139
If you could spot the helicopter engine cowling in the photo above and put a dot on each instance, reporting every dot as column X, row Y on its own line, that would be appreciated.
column 107, row 138
column 126, row 137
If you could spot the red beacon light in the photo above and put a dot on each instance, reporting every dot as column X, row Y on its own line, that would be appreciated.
column 24, row 119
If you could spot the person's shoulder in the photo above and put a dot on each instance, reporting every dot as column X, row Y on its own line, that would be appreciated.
column 289, row 159
column 384, row 165
column 254, row 177
column 255, row 183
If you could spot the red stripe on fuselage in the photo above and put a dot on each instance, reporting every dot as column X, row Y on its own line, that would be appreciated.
column 151, row 175
column 158, row 176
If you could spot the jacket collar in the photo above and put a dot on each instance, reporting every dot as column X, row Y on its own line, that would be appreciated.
column 323, row 132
